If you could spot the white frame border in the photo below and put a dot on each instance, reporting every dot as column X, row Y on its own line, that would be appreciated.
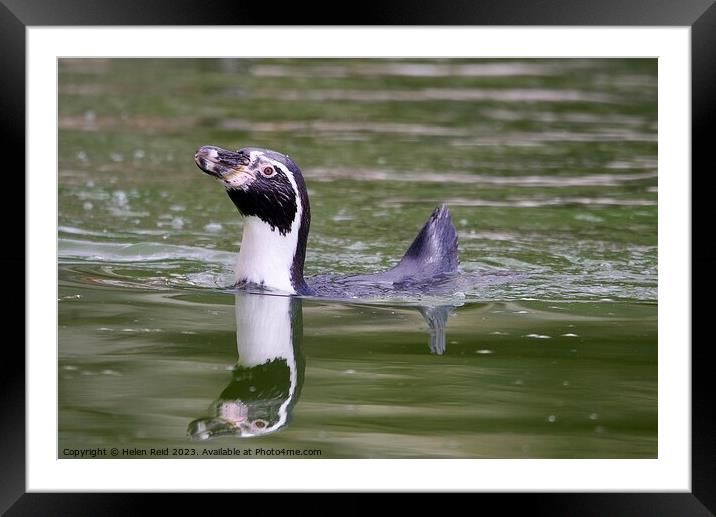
column 670, row 472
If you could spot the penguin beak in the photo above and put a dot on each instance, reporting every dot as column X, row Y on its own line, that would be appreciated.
column 228, row 166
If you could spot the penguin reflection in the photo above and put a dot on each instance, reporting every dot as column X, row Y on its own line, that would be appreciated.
column 268, row 376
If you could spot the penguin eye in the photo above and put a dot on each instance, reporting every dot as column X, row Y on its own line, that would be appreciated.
column 268, row 171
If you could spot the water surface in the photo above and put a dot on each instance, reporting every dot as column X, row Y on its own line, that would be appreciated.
column 549, row 169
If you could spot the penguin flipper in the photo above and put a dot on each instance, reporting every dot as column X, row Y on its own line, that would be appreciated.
column 433, row 251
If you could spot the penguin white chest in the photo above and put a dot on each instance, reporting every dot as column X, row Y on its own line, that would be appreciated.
column 266, row 256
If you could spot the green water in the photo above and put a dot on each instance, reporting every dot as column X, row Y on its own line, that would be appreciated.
column 549, row 169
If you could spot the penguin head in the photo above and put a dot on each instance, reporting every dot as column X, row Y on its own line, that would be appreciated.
column 261, row 183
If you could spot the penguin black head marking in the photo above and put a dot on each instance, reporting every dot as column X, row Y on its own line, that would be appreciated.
column 265, row 186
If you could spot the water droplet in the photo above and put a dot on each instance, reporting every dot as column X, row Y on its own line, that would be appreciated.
column 551, row 418
column 213, row 228
column 119, row 197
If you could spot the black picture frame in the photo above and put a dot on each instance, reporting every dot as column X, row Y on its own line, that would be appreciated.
column 17, row 15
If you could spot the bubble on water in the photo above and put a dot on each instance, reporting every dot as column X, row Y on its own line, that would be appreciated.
column 342, row 216
column 521, row 312
column 538, row 336
column 593, row 416
column 177, row 223
column 252, row 388
column 116, row 157
column 90, row 116
column 551, row 419
column 499, row 333
column 213, row 228
column 69, row 367
column 565, row 383
column 110, row 372
column 87, row 205
column 349, row 372
column 569, row 334
column 82, row 156
column 357, row 246
column 484, row 351
column 138, row 154
column 177, row 208
column 119, row 198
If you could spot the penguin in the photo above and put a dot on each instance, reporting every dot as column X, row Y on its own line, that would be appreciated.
column 269, row 190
